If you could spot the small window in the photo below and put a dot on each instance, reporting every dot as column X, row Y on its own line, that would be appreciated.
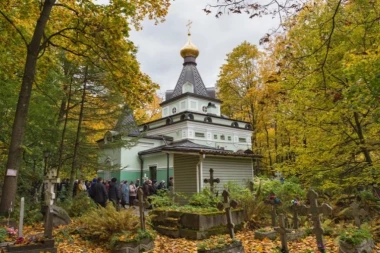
column 242, row 140
column 200, row 135
column 229, row 138
column 204, row 108
column 222, row 137
column 174, row 110
column 215, row 136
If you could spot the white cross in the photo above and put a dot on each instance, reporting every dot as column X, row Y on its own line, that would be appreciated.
column 51, row 179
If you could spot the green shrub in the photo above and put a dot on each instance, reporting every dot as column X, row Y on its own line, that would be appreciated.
column 3, row 234
column 205, row 198
column 79, row 205
column 103, row 223
column 355, row 236
column 161, row 199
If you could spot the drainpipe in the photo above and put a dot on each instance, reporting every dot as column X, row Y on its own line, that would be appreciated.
column 141, row 169
column 167, row 169
column 202, row 156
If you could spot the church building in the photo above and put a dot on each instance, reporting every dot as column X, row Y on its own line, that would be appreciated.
column 191, row 137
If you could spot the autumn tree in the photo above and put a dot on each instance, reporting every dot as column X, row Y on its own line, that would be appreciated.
column 85, row 29
column 328, row 72
column 239, row 85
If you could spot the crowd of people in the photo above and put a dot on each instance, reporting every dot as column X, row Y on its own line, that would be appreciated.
column 122, row 194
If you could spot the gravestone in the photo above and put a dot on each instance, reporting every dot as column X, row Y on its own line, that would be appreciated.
column 211, row 180
column 226, row 205
column 274, row 202
column 315, row 210
column 283, row 234
column 60, row 216
column 142, row 204
column 357, row 213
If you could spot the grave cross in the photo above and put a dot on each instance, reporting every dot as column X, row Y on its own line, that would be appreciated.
column 211, row 180
column 50, row 180
column 357, row 213
column 315, row 212
column 282, row 231
column 274, row 202
column 296, row 208
column 142, row 205
column 226, row 205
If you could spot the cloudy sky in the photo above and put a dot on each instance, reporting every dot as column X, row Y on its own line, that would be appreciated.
column 159, row 45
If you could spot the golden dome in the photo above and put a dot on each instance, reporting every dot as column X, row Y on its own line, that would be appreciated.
column 189, row 49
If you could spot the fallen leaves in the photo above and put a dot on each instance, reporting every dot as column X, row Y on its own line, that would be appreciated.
column 75, row 243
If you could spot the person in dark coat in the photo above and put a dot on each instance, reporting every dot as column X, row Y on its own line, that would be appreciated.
column 75, row 188
column 92, row 186
column 147, row 189
column 100, row 193
column 114, row 193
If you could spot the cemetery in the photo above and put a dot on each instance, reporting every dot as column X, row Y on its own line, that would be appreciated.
column 288, row 218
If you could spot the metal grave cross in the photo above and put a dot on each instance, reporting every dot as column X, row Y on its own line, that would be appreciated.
column 226, row 205
column 211, row 180
column 316, row 212
column 282, row 231
column 357, row 213
column 274, row 202
column 142, row 205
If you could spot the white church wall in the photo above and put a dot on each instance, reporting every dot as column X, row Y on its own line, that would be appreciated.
column 109, row 157
column 238, row 170
column 129, row 156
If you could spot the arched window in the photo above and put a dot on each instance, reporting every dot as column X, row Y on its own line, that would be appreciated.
column 234, row 124
column 248, row 126
column 187, row 87
column 208, row 119
column 145, row 127
column 169, row 121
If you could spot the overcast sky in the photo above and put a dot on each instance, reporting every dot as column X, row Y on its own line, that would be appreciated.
column 159, row 45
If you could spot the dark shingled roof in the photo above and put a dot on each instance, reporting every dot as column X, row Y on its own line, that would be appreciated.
column 127, row 122
column 178, row 145
column 189, row 146
column 190, row 74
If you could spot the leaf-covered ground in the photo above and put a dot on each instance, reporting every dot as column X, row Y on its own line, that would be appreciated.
column 77, row 244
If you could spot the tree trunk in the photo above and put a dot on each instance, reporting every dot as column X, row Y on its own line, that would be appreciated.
column 18, row 129
column 61, row 145
column 359, row 131
column 77, row 138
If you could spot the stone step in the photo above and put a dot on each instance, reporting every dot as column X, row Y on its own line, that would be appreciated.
column 168, row 231
column 171, row 222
